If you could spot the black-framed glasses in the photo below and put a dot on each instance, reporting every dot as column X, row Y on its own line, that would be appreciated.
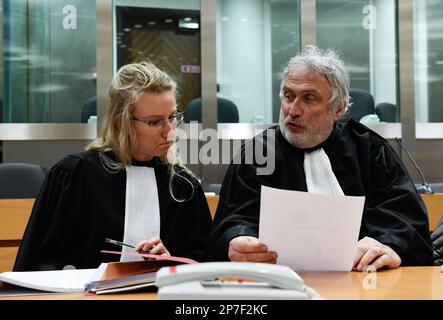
column 174, row 119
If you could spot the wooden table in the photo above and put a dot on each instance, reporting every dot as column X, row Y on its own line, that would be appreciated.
column 418, row 283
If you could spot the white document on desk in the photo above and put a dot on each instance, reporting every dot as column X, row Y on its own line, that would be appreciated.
column 310, row 231
column 60, row 281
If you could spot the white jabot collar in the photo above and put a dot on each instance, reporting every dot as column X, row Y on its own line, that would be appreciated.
column 320, row 178
column 142, row 209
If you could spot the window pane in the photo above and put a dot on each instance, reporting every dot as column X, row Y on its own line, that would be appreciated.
column 49, row 60
column 366, row 35
column 169, row 37
column 428, row 31
column 255, row 38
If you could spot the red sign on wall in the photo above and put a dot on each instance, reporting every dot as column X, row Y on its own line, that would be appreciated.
column 189, row 68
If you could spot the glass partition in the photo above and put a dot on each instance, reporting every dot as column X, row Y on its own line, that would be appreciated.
column 366, row 34
column 428, row 33
column 169, row 37
column 255, row 38
column 49, row 60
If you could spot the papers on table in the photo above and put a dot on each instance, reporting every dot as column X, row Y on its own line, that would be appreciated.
column 310, row 231
column 107, row 278
column 61, row 281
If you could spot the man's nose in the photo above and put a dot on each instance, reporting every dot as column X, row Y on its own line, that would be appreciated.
column 295, row 109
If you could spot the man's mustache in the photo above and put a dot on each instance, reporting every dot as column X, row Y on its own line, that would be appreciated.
column 294, row 121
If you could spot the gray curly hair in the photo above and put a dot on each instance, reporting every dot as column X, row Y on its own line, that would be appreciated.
column 327, row 63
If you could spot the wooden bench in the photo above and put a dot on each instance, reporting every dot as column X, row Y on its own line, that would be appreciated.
column 14, row 215
column 434, row 204
column 212, row 204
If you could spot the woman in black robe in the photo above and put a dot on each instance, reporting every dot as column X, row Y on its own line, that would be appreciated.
column 86, row 196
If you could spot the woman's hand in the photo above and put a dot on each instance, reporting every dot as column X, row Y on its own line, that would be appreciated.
column 152, row 246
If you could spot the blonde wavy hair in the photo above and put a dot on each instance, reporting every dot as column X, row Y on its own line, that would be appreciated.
column 117, row 134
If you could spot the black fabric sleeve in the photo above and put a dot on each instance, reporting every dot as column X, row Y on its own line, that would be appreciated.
column 50, row 228
column 395, row 214
column 186, row 220
column 238, row 209
column 200, row 221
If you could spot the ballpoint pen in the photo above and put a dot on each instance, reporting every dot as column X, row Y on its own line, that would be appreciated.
column 119, row 243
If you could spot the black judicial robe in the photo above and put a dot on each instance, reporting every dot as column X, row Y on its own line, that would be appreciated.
column 364, row 164
column 81, row 203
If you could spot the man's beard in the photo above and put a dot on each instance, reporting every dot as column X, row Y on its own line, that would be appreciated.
column 312, row 137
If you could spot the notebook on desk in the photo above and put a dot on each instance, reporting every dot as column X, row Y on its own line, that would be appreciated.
column 134, row 275
column 59, row 281
column 108, row 278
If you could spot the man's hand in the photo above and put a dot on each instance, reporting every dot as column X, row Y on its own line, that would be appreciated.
column 372, row 253
column 249, row 249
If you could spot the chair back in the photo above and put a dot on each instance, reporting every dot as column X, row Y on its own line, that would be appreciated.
column 362, row 104
column 227, row 111
column 89, row 109
column 215, row 188
column 387, row 112
column 20, row 180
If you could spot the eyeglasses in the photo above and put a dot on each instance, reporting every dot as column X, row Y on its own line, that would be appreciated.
column 174, row 119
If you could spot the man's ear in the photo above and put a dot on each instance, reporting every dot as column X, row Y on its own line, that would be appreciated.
column 340, row 112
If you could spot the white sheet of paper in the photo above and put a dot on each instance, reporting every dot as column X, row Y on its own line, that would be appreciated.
column 63, row 281
column 310, row 231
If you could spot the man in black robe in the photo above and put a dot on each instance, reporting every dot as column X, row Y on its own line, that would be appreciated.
column 129, row 185
column 315, row 96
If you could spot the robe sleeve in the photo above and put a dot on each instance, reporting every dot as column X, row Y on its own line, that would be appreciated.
column 187, row 224
column 238, row 209
column 200, row 221
column 395, row 214
column 50, row 229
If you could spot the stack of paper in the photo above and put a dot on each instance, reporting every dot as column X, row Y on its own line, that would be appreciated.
column 108, row 278
column 61, row 281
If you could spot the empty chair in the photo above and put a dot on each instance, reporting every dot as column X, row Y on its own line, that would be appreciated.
column 89, row 109
column 20, row 180
column 214, row 187
column 226, row 111
column 362, row 104
column 387, row 112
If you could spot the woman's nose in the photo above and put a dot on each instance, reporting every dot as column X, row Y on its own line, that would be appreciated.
column 167, row 128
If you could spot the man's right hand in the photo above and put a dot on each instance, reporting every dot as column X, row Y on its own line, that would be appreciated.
column 249, row 249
